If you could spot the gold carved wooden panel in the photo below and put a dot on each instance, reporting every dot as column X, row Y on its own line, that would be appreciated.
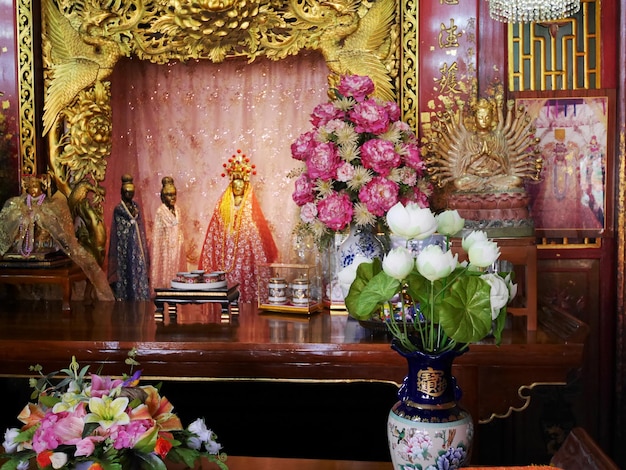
column 82, row 41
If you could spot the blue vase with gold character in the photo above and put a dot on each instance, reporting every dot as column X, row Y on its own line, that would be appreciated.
column 427, row 428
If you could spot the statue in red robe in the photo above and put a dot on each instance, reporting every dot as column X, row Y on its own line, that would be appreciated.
column 238, row 238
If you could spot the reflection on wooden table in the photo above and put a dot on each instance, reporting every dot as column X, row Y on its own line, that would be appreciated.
column 201, row 342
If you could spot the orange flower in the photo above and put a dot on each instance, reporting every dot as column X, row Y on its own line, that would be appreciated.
column 162, row 447
column 43, row 459
column 31, row 415
column 95, row 466
column 161, row 410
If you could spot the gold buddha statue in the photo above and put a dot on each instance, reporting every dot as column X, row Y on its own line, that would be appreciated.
column 483, row 151
column 482, row 160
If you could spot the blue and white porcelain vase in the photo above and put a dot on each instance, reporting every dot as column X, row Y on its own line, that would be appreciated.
column 426, row 428
column 358, row 245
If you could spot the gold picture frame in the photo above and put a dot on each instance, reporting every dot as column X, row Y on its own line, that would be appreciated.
column 575, row 195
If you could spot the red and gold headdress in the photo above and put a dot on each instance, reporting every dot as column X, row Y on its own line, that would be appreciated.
column 239, row 166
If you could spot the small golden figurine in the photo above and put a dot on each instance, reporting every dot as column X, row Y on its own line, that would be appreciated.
column 36, row 226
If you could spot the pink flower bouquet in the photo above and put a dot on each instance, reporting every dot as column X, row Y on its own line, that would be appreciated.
column 359, row 160
column 104, row 423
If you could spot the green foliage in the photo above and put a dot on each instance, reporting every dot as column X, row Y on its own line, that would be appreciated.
column 451, row 312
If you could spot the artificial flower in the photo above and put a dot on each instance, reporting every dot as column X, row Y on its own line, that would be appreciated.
column 449, row 223
column 483, row 253
column 411, row 221
column 433, row 263
column 499, row 293
column 473, row 237
column 10, row 443
column 108, row 423
column 444, row 304
column 359, row 160
column 107, row 412
column 398, row 263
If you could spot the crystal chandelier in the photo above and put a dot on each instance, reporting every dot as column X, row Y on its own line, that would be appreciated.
column 532, row 11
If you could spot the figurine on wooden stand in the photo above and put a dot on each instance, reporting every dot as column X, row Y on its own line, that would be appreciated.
column 482, row 160
column 128, row 261
column 38, row 229
column 167, row 255
column 238, row 238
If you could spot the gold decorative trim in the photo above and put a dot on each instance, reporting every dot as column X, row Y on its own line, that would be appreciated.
column 442, row 406
column 525, row 397
column 410, row 79
column 82, row 41
column 520, row 391
column 620, row 202
column 566, row 243
column 26, row 76
column 237, row 379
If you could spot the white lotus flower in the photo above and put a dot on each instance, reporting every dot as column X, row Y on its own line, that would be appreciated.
column 483, row 253
column 398, row 263
column 433, row 263
column 449, row 223
column 411, row 221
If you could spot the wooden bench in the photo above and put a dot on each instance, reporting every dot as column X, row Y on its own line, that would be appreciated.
column 39, row 273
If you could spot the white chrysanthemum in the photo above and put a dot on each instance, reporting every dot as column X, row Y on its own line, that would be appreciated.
column 424, row 186
column 349, row 152
column 395, row 175
column 392, row 135
column 402, row 150
column 344, row 103
column 10, row 444
column 324, row 135
column 318, row 229
column 362, row 216
column 346, row 135
column 323, row 188
column 362, row 176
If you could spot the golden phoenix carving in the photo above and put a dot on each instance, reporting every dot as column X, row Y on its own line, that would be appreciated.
column 83, row 40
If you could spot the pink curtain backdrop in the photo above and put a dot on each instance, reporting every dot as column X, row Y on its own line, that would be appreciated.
column 186, row 119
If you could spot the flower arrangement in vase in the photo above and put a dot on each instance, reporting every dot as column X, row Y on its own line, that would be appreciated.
column 104, row 423
column 440, row 303
column 359, row 159
column 434, row 307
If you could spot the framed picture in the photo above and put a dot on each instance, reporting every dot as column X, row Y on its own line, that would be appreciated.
column 574, row 197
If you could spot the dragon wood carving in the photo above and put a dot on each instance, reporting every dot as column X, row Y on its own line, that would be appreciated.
column 83, row 40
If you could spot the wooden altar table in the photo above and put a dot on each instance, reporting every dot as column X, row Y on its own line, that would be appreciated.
column 268, row 463
column 201, row 342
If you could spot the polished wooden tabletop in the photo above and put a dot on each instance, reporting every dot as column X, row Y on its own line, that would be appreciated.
column 267, row 463
column 199, row 341
column 270, row 463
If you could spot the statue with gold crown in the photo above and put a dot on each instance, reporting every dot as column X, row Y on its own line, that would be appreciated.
column 482, row 160
column 37, row 227
column 238, row 238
